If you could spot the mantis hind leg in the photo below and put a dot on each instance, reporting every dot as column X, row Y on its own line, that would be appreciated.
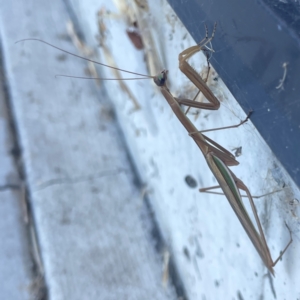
column 241, row 186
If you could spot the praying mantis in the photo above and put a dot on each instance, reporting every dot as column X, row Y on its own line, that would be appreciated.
column 218, row 158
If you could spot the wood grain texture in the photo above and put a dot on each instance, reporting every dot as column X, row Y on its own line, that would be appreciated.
column 92, row 226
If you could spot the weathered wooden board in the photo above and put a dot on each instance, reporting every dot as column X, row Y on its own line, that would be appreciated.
column 204, row 236
column 16, row 276
column 92, row 226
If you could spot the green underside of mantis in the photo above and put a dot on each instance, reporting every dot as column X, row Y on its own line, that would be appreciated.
column 228, row 178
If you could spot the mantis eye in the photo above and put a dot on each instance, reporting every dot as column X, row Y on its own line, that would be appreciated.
column 161, row 78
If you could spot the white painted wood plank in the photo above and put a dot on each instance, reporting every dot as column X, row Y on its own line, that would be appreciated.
column 204, row 236
column 16, row 278
column 90, row 218
column 16, row 266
